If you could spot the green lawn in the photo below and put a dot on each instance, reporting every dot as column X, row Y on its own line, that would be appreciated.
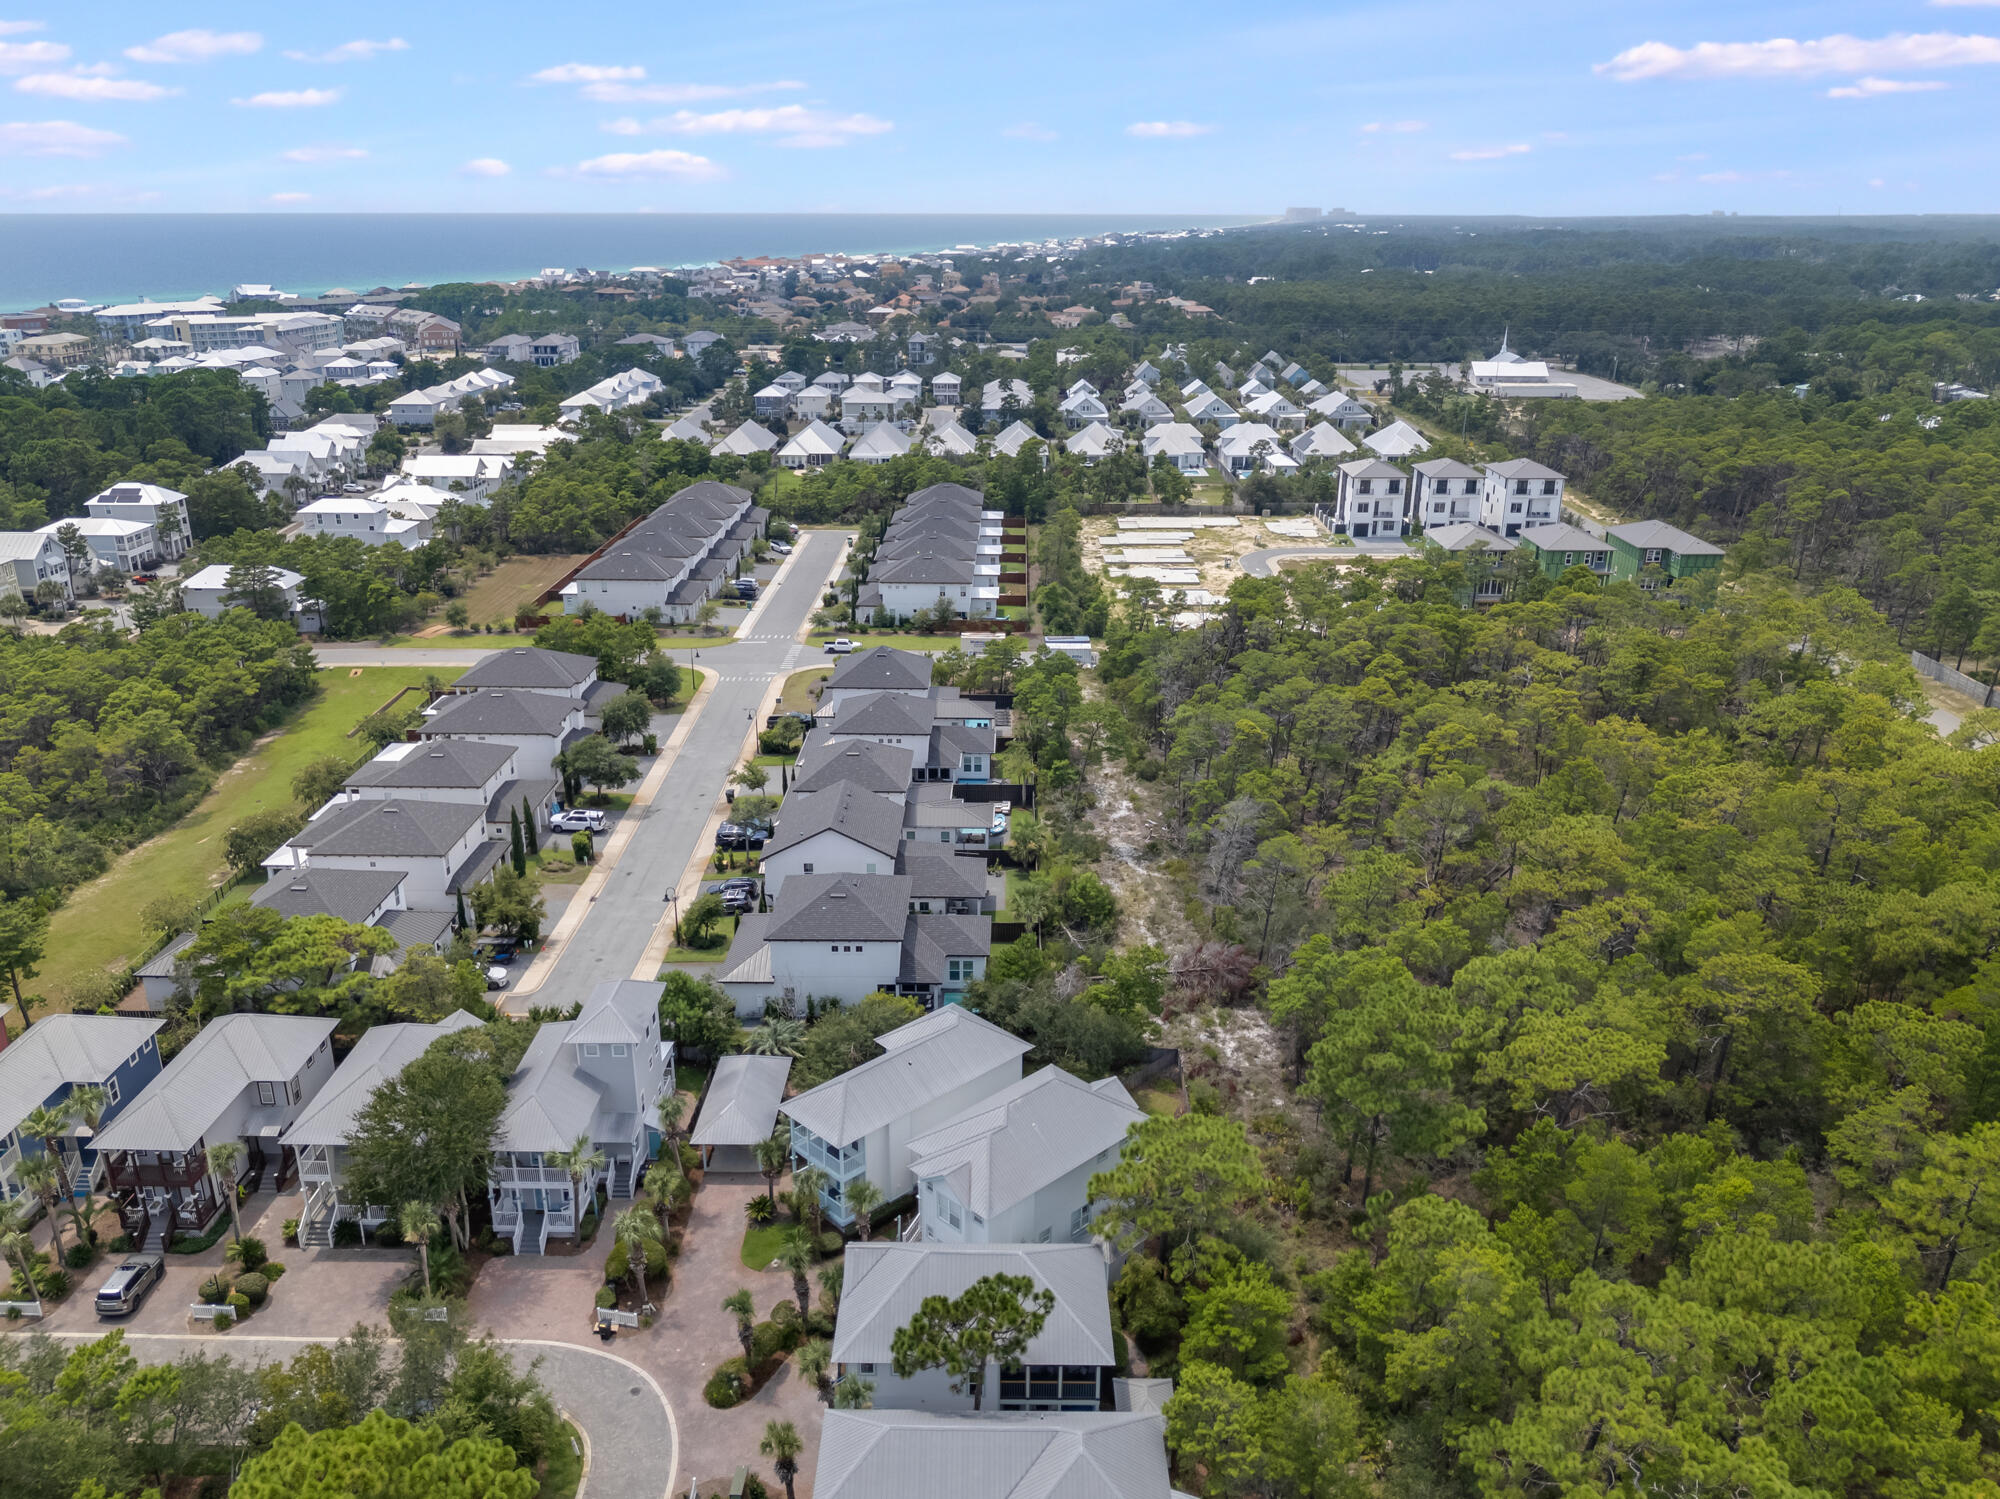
column 562, row 1469
column 761, row 1245
column 98, row 928
column 867, row 641
column 475, row 640
column 1156, row 1100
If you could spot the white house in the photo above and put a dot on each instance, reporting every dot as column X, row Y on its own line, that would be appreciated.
column 812, row 446
column 441, row 848
column 1445, row 492
column 1067, row 1366
column 746, row 441
column 1373, row 498
column 888, row 1454
column 812, row 404
column 1342, row 410
column 539, row 725
column 931, row 1070
column 946, row 389
column 879, row 444
column 1083, row 408
column 842, row 830
column 1397, row 440
column 950, row 441
column 1209, row 407
column 627, row 388
column 363, row 519
column 27, row 560
column 165, row 510
column 1275, row 410
column 206, row 593
column 1321, row 440
column 550, row 349
column 1519, row 493
column 123, row 545
column 1016, row 1167
column 1178, row 442
column 1094, row 442
column 1248, row 446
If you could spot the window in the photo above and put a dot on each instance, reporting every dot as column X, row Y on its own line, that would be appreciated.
column 111, row 1089
column 1520, row 486
column 590, row 1048
column 1515, row 508
column 958, row 970
column 864, row 1368
column 1568, row 558
column 1395, row 486
column 1472, row 486
column 1652, row 554
column 1079, row 1221
column 871, row 868
column 1044, row 1236
column 618, row 1048
column 267, row 1093
column 297, row 1091
column 1364, row 486
column 1438, row 508
column 1548, row 486
column 805, row 869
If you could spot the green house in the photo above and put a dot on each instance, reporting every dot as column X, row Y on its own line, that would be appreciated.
column 1560, row 547
column 1653, row 554
column 1482, row 552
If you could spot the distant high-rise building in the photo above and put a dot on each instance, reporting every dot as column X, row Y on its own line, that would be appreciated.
column 1300, row 215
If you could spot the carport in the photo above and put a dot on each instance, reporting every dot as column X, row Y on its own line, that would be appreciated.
column 740, row 1109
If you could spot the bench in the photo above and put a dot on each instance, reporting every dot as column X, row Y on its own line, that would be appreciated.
column 737, row 1483
column 202, row 1312
column 20, row 1308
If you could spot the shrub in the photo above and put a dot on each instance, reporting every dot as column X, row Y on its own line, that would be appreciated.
column 78, row 1256
column 223, row 1322
column 241, row 1303
column 656, row 1263
column 450, row 1274
column 52, row 1285
column 758, row 1210
column 346, row 1234
column 606, row 1297
column 683, row 1189
column 214, row 1289
column 651, row 744
column 819, row 1322
column 728, row 1385
column 271, row 1270
column 247, row 1253
column 753, row 1487
column 617, row 1264
column 255, row 1286
column 291, row 1231
column 831, row 1243
column 389, row 1231
column 784, row 1312
column 121, row 1245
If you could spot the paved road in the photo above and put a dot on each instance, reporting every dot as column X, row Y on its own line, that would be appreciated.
column 611, row 942
column 634, row 1440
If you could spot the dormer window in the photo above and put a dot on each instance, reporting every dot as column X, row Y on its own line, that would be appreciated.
column 590, row 1048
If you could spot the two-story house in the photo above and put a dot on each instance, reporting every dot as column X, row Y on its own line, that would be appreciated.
column 1654, row 554
column 1558, row 548
column 537, row 726
column 121, row 544
column 165, row 510
column 53, row 1058
column 441, row 848
column 27, row 560
column 1372, row 498
column 1518, row 494
column 1016, row 1167
column 244, row 1077
column 1480, row 552
column 1069, row 1454
column 843, row 829
column 318, row 1138
column 211, row 593
column 861, row 1123
column 599, row 1078
column 1445, row 492
column 1068, row 1365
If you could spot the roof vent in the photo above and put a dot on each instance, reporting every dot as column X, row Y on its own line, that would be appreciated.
column 391, row 811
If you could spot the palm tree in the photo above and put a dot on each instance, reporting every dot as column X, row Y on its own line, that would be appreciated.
column 673, row 1108
column 862, row 1197
column 88, row 1104
column 420, row 1223
column 773, row 1154
column 798, row 1253
column 854, row 1394
column 637, row 1230
column 780, row 1036
column 580, row 1161
column 739, row 1305
column 16, row 1246
column 223, row 1159
column 39, row 1177
column 782, row 1446
column 49, row 1125
column 814, row 1361
column 832, row 1277
column 807, row 1183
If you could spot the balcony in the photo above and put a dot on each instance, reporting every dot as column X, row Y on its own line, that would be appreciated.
column 127, row 1169
column 842, row 1164
column 527, row 1176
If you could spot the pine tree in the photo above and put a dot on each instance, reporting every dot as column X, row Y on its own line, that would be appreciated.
column 463, row 923
column 520, row 853
column 528, row 827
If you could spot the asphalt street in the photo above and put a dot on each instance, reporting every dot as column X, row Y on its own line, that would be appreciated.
column 625, row 1417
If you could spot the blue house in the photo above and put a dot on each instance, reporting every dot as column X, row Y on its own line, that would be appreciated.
column 54, row 1056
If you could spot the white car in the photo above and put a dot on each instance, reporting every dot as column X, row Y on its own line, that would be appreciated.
column 578, row 820
column 496, row 978
column 840, row 647
column 780, row 549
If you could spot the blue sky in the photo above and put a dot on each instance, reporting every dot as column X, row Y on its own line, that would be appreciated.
column 1439, row 106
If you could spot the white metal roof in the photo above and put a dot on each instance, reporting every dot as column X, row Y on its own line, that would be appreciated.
column 382, row 1053
column 59, row 1049
column 921, row 1061
column 742, row 1103
column 886, row 1282
column 999, row 1455
column 1008, row 1147
column 228, row 1054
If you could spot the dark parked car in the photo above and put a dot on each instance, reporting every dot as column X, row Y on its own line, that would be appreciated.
column 130, row 1284
column 739, row 837
column 738, row 896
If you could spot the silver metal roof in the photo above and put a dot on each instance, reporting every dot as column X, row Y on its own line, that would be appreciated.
column 921, row 1061
column 742, row 1103
column 1008, row 1147
column 58, row 1049
column 885, row 1284
column 999, row 1455
column 382, row 1053
column 228, row 1054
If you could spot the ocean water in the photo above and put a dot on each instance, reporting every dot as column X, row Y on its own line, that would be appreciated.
column 122, row 257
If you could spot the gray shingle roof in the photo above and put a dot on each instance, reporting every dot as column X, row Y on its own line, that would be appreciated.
column 742, row 1103
column 885, row 1283
column 530, row 666
column 393, row 827
column 825, row 763
column 1563, row 538
column 382, row 1053
column 228, row 1054
column 921, row 1061
column 1008, row 1147
column 1465, row 538
column 925, row 569
column 937, row 875
column 841, row 908
column 885, row 713
column 59, row 1049
column 866, row 818
column 437, row 764
column 1657, row 533
column 1522, row 468
column 883, row 669
column 350, row 894
column 500, row 710
column 1000, row 1455
column 931, row 938
column 416, row 928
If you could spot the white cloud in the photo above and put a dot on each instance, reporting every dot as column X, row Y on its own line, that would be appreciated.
column 794, row 124
column 1693, row 156
column 584, row 72
column 1166, row 130
column 1028, row 130
column 625, row 126
column 681, row 164
column 282, row 198
column 54, row 138
column 486, row 166
column 1721, row 177
column 1964, row 3
column 1782, row 57
column 1874, row 88
column 15, row 28
column 21, row 57
column 92, row 85
column 360, row 50
column 314, row 155
column 196, row 46
column 1491, row 153
column 1876, row 182
column 1394, row 127
column 62, row 190
column 613, row 92
column 297, row 98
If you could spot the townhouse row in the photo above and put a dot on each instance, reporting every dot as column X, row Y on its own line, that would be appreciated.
column 943, row 545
